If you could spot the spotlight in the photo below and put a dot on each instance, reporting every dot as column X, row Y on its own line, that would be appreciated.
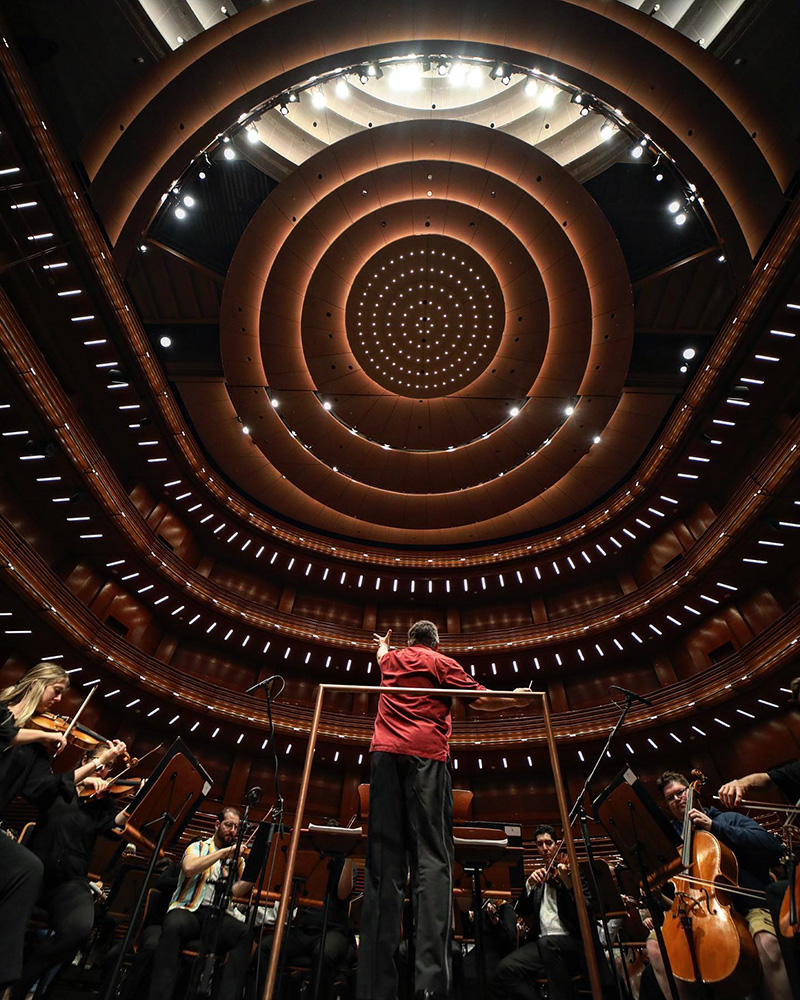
column 362, row 77
column 372, row 70
column 498, row 71
column 142, row 248
column 530, row 88
column 584, row 111
column 245, row 429
column 505, row 80
column 569, row 410
column 689, row 353
column 722, row 258
column 284, row 110
column 659, row 177
column 596, row 439
column 188, row 201
column 202, row 175
column 294, row 97
column 636, row 151
column 673, row 206
column 606, row 131
column 680, row 218
column 318, row 99
column 165, row 341
column 514, row 411
column 252, row 136
column 326, row 405
column 229, row 153
column 180, row 213
column 342, row 90
column 443, row 69
column 684, row 369
column 274, row 402
column 579, row 98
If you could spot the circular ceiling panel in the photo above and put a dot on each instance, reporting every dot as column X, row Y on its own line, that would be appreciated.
column 425, row 316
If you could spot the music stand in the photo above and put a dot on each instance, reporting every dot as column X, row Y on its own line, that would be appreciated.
column 166, row 801
column 476, row 850
column 646, row 840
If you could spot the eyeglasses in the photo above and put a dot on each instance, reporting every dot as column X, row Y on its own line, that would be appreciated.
column 675, row 795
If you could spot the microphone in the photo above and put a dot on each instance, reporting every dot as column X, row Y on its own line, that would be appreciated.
column 265, row 683
column 631, row 694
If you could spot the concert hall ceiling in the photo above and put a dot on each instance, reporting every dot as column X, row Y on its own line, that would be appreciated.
column 330, row 317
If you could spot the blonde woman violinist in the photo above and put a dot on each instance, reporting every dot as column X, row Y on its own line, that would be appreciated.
column 25, row 769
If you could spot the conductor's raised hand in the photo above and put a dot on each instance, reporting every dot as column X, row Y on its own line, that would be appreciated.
column 382, row 640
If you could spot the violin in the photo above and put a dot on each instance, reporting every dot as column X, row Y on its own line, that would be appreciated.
column 556, row 870
column 706, row 939
column 78, row 736
column 119, row 788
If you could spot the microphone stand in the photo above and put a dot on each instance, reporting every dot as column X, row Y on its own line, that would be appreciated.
column 222, row 900
column 276, row 826
column 578, row 811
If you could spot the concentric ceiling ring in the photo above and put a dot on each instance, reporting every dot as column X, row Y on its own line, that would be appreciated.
column 554, row 257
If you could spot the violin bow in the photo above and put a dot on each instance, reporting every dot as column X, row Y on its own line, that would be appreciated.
column 77, row 715
column 132, row 765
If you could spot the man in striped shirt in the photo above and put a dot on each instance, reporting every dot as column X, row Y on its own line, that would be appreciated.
column 203, row 871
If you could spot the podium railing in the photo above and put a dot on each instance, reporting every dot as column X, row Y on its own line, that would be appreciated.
column 563, row 809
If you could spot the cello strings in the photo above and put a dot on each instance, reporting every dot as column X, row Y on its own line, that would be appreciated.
column 737, row 890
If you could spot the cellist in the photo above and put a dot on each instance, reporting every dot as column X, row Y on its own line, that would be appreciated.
column 786, row 778
column 755, row 850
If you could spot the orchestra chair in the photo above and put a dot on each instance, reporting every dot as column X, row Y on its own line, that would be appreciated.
column 462, row 802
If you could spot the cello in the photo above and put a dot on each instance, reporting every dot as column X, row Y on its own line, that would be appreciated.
column 706, row 939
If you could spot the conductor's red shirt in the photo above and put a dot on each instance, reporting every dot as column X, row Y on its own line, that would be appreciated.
column 418, row 725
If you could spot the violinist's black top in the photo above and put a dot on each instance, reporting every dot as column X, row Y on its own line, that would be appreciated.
column 8, row 727
column 65, row 833
column 25, row 770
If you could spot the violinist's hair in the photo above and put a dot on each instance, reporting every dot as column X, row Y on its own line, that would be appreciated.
column 543, row 830
column 29, row 689
column 669, row 778
column 794, row 687
column 423, row 634
column 224, row 812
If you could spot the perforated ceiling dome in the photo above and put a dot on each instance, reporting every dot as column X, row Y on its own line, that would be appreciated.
column 424, row 316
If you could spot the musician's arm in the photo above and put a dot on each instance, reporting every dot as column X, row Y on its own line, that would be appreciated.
column 738, row 831
column 345, row 888
column 732, row 793
column 193, row 864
